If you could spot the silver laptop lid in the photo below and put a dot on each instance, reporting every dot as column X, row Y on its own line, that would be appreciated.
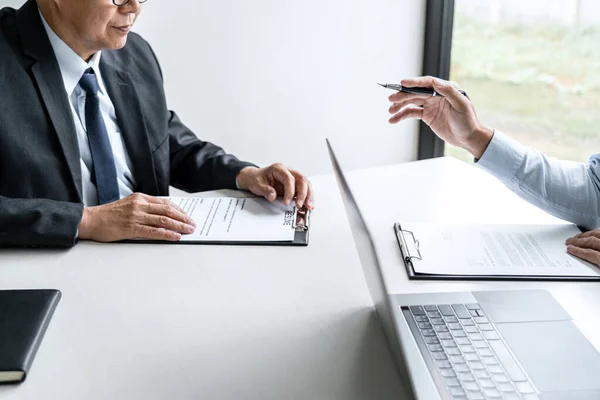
column 371, row 269
column 364, row 244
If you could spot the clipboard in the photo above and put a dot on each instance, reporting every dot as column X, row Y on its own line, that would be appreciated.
column 301, row 229
column 409, row 249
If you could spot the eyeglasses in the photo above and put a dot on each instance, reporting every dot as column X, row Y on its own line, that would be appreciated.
column 120, row 3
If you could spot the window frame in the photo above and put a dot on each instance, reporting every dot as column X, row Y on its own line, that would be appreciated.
column 437, row 46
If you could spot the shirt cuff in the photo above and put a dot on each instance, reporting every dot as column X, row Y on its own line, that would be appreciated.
column 503, row 156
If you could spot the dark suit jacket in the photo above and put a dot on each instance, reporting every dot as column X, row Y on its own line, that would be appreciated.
column 40, row 175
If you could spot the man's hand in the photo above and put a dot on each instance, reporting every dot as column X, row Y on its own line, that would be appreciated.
column 451, row 117
column 277, row 180
column 585, row 246
column 136, row 216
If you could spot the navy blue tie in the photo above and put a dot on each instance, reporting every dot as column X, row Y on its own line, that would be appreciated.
column 104, row 170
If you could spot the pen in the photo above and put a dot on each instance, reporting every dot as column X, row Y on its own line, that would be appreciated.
column 415, row 90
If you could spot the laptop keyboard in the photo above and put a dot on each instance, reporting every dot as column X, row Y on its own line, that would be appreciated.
column 465, row 354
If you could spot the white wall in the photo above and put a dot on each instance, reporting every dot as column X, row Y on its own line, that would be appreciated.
column 270, row 79
column 11, row 3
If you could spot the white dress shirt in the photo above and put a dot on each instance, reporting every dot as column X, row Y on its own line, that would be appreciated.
column 568, row 190
column 72, row 68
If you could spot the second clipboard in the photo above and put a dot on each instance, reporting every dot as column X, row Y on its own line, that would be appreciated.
column 410, row 250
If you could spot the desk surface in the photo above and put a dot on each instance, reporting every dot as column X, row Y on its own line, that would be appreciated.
column 140, row 321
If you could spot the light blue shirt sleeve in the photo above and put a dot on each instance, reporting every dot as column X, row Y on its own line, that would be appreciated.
column 565, row 189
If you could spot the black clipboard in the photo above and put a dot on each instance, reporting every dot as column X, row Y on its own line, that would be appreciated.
column 405, row 237
column 301, row 236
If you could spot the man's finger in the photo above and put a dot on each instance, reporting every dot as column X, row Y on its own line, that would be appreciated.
column 588, row 242
column 585, row 254
column 301, row 188
column 284, row 177
column 156, row 200
column 401, row 96
column 155, row 233
column 176, row 206
column 394, row 108
column 406, row 113
column 422, row 81
column 268, row 192
column 310, row 197
column 162, row 221
column 168, row 210
column 595, row 232
column 456, row 99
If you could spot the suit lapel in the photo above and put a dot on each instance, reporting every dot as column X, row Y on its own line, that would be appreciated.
column 49, row 80
column 130, row 118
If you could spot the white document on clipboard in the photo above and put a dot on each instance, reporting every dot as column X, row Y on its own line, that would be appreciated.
column 233, row 219
column 493, row 250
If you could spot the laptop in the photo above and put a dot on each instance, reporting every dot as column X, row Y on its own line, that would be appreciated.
column 512, row 344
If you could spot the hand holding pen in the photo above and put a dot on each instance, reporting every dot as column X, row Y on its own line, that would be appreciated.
column 445, row 108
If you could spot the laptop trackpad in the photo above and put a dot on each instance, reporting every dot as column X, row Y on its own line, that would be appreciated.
column 555, row 355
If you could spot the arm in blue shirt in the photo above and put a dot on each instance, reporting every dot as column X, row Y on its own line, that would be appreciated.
column 565, row 189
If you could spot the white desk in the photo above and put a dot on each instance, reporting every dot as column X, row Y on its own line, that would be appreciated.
column 211, row 322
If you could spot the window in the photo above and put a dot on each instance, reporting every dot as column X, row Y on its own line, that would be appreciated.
column 532, row 69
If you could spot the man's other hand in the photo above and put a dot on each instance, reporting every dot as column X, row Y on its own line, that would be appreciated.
column 277, row 180
column 585, row 246
column 136, row 216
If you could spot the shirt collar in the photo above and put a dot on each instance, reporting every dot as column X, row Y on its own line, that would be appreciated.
column 71, row 65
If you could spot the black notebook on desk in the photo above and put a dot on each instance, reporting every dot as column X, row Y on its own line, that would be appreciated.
column 24, row 317
column 463, row 251
column 242, row 221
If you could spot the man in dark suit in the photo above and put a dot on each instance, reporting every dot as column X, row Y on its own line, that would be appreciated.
column 87, row 140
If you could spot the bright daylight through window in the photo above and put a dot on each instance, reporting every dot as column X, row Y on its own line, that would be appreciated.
column 532, row 69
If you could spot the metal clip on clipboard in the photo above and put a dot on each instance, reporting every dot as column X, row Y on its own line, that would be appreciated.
column 301, row 223
column 401, row 234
